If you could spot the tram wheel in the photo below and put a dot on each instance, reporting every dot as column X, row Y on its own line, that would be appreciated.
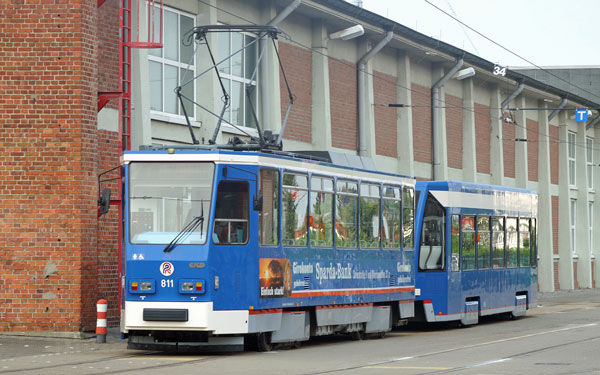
column 263, row 342
column 357, row 335
column 297, row 344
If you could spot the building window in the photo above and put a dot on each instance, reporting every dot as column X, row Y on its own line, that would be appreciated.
column 571, row 157
column 238, row 75
column 572, row 221
column 589, row 151
column 591, row 224
column 167, row 66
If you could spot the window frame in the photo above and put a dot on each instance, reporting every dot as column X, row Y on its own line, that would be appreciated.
column 355, row 196
column 572, row 158
column 181, row 66
column 589, row 159
column 573, row 224
column 397, row 205
column 277, row 200
column 367, row 199
column 298, row 188
column 245, row 220
column 229, row 77
column 322, row 190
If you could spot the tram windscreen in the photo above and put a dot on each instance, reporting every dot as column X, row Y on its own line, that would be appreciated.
column 165, row 197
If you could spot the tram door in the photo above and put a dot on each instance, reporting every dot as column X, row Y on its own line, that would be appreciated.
column 432, row 254
column 232, row 251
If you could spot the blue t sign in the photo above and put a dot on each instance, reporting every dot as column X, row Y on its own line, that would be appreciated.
column 581, row 115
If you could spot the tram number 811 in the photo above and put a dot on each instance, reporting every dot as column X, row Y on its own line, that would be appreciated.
column 166, row 283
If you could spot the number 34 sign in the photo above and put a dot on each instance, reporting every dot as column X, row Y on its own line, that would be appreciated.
column 499, row 70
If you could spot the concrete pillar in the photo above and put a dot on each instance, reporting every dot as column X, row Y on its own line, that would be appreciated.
column 521, row 165
column 595, row 246
column 321, row 115
column 270, row 98
column 496, row 145
column 437, row 73
column 406, row 163
column 366, row 110
column 565, row 262
column 208, row 90
column 545, row 267
column 582, row 245
column 469, row 156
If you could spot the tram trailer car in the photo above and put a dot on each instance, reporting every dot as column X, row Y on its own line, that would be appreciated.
column 477, row 251
column 223, row 246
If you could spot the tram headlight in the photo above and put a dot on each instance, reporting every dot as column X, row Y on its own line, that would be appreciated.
column 142, row 286
column 191, row 286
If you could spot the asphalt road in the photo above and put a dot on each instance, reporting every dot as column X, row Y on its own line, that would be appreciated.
column 561, row 336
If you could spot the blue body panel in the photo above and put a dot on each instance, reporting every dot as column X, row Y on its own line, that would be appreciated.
column 319, row 276
column 494, row 289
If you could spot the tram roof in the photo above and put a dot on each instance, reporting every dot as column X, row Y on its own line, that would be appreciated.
column 470, row 187
column 286, row 160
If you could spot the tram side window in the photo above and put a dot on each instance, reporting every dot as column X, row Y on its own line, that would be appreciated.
column 498, row 241
column 431, row 253
column 483, row 242
column 346, row 214
column 524, row 243
column 512, row 240
column 294, row 212
column 455, row 243
column 391, row 216
column 533, row 243
column 231, row 213
column 369, row 216
column 321, row 212
column 468, row 243
column 408, row 217
column 269, row 216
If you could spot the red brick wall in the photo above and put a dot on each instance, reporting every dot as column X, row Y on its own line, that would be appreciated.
column 508, row 149
column 553, row 130
column 343, row 102
column 421, row 118
column 48, row 131
column 384, row 93
column 298, row 70
column 108, row 228
column 108, row 49
column 454, row 131
column 483, row 119
column 575, row 277
column 556, row 283
column 532, row 149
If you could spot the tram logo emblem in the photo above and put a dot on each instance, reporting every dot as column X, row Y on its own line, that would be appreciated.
column 167, row 269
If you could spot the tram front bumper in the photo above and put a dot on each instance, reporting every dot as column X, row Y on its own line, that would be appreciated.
column 183, row 316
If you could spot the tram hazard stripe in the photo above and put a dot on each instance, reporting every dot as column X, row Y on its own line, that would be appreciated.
column 346, row 292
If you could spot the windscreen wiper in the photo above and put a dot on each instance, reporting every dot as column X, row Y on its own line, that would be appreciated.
column 186, row 231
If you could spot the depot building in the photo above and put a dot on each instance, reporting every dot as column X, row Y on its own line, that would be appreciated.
column 99, row 78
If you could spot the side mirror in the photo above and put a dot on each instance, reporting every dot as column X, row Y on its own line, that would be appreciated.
column 104, row 201
column 258, row 202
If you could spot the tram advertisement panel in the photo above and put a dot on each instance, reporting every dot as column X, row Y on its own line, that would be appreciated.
column 275, row 278
column 298, row 278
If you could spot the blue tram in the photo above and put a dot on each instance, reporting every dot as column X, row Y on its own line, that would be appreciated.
column 222, row 246
column 476, row 251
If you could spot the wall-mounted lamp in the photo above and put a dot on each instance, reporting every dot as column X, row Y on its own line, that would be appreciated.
column 349, row 33
column 465, row 73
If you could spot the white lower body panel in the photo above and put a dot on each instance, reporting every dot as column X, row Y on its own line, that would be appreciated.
column 201, row 317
